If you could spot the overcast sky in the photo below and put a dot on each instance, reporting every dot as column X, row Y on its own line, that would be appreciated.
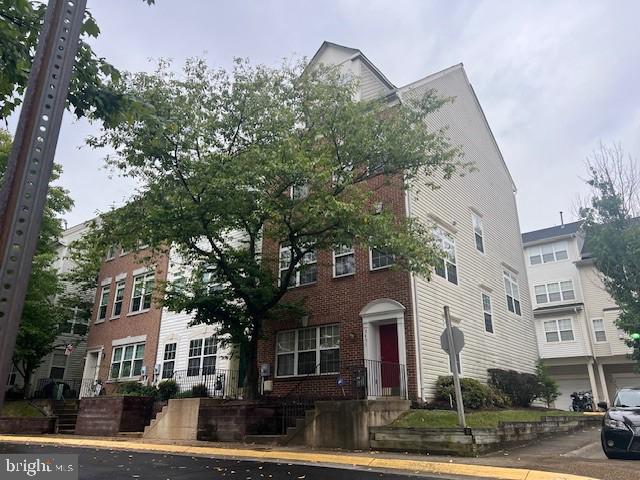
column 554, row 78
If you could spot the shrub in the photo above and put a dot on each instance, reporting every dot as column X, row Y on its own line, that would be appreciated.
column 135, row 389
column 185, row 394
column 167, row 389
column 521, row 388
column 199, row 390
column 547, row 387
column 474, row 393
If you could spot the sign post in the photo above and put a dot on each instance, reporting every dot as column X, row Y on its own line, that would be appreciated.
column 452, row 341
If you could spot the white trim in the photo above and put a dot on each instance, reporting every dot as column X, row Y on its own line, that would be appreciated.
column 141, row 271
column 594, row 331
column 105, row 281
column 333, row 256
column 126, row 341
column 121, row 276
column 385, row 267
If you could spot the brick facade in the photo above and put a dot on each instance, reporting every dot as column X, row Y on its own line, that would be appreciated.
column 340, row 300
column 147, row 322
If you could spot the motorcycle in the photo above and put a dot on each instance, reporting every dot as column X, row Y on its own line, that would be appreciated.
column 582, row 401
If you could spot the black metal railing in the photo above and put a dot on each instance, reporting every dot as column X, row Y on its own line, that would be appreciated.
column 68, row 388
column 208, row 382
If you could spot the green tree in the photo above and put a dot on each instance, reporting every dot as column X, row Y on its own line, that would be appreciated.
column 90, row 91
column 612, row 231
column 548, row 387
column 44, row 309
column 217, row 156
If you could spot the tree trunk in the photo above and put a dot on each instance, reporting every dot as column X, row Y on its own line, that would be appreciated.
column 251, row 379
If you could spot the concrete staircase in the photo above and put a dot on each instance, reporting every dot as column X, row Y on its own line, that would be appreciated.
column 157, row 418
column 67, row 413
column 294, row 436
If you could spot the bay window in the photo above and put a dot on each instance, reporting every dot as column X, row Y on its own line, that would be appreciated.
column 558, row 330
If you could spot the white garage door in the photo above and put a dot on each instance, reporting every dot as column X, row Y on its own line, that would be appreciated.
column 567, row 387
column 626, row 381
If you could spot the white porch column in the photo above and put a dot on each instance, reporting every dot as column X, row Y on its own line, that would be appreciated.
column 592, row 381
column 603, row 384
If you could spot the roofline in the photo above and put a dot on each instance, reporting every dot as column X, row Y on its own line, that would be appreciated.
column 446, row 71
column 548, row 239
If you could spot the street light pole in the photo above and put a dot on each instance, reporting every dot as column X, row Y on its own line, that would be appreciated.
column 24, row 192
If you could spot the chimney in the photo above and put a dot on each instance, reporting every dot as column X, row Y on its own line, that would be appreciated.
column 561, row 220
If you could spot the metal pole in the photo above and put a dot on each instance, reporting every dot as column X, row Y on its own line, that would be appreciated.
column 454, row 368
column 26, row 183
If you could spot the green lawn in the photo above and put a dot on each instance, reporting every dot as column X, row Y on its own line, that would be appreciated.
column 19, row 408
column 480, row 419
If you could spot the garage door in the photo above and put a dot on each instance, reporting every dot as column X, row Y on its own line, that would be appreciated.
column 626, row 381
column 567, row 387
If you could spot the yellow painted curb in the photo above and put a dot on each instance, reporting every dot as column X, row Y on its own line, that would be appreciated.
column 486, row 471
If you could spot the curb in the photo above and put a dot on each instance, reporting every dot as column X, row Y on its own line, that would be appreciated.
column 369, row 461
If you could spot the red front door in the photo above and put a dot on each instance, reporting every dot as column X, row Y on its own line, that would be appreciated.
column 390, row 358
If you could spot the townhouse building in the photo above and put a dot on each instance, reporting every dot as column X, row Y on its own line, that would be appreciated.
column 123, row 338
column 575, row 317
column 368, row 324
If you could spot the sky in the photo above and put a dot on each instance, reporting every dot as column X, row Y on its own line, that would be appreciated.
column 554, row 78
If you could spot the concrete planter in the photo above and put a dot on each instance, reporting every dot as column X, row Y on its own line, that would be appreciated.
column 28, row 425
column 108, row 416
column 455, row 441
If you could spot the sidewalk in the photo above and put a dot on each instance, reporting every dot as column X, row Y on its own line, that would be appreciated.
column 369, row 460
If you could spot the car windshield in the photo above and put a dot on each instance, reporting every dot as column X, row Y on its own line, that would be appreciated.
column 628, row 398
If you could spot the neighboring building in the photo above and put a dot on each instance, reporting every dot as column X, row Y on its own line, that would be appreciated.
column 123, row 338
column 361, row 314
column 575, row 317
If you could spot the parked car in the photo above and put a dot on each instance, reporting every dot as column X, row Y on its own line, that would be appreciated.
column 621, row 425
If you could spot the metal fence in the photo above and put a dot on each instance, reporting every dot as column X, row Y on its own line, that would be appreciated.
column 218, row 383
column 68, row 388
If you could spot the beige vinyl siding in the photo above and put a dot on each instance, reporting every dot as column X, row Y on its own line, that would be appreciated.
column 370, row 85
column 489, row 192
column 578, row 347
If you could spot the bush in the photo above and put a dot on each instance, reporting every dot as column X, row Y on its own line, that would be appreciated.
column 474, row 393
column 185, row 394
column 521, row 388
column 199, row 390
column 135, row 389
column 168, row 389
column 548, row 389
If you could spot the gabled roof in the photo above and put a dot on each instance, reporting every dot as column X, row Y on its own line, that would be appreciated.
column 559, row 231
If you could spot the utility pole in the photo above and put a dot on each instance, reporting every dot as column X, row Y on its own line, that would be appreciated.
column 453, row 353
column 28, row 173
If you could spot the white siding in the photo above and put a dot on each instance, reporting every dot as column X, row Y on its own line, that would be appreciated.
column 489, row 192
column 577, row 347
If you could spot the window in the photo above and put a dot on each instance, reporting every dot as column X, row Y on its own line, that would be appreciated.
column 558, row 330
column 13, row 375
column 554, row 292
column 344, row 261
column 307, row 351
column 142, row 291
column 299, row 192
column 381, row 259
column 598, row 330
column 512, row 291
column 169, row 360
column 552, row 252
column 447, row 268
column 488, row 316
column 202, row 356
column 478, row 232
column 306, row 272
column 111, row 252
column 127, row 361
column 117, row 301
column 104, row 301
column 58, row 365
column 78, row 323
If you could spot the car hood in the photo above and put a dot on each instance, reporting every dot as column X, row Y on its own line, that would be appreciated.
column 630, row 414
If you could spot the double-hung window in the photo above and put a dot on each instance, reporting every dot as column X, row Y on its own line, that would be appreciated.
column 119, row 298
column 307, row 351
column 104, row 302
column 512, row 291
column 142, row 292
column 551, row 252
column 299, row 192
column 305, row 273
column 554, row 292
column 344, row 261
column 599, row 330
column 169, row 360
column 127, row 361
column 202, row 356
column 381, row 259
column 488, row 315
column 447, row 268
column 558, row 330
column 478, row 232
column 58, row 365
column 111, row 252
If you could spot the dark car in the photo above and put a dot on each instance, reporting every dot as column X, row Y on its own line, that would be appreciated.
column 621, row 425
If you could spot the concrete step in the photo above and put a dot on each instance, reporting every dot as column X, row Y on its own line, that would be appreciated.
column 265, row 439
column 130, row 434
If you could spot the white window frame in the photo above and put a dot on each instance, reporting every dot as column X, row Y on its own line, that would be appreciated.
column 121, row 285
column 318, row 349
column 547, row 293
column 389, row 265
column 212, row 341
column 603, row 330
column 510, row 279
column 104, row 303
column 171, row 360
column 555, row 247
column 348, row 251
column 304, row 191
column 478, row 231
column 111, row 253
column 487, row 311
column 134, row 358
column 447, row 243
column 309, row 258
column 558, row 331
column 146, row 278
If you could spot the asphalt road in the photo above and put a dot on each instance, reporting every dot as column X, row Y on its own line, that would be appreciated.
column 118, row 465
